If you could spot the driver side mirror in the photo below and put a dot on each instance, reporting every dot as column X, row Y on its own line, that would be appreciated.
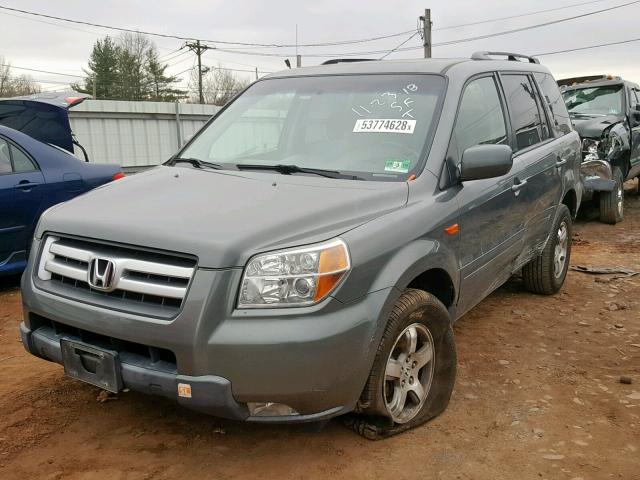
column 485, row 161
column 635, row 115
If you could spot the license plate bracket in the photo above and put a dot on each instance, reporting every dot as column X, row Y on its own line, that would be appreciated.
column 97, row 366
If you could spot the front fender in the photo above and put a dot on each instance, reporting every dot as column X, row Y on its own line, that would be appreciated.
column 377, row 268
column 597, row 176
column 414, row 259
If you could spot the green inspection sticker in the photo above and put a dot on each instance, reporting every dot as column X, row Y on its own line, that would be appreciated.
column 397, row 166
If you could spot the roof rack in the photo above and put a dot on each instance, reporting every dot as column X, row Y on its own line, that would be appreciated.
column 333, row 61
column 512, row 57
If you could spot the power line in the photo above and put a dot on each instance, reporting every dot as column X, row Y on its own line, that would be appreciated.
column 172, row 56
column 240, row 70
column 67, row 26
column 179, row 37
column 41, row 71
column 589, row 47
column 539, row 25
column 396, row 48
column 491, row 20
column 452, row 42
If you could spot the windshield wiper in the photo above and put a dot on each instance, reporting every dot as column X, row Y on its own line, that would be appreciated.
column 289, row 169
column 195, row 162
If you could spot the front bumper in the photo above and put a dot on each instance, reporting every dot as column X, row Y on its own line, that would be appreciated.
column 314, row 359
column 597, row 176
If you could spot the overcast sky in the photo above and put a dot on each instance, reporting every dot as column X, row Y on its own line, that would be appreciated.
column 61, row 47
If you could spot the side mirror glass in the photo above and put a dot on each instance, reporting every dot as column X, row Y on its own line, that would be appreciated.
column 485, row 161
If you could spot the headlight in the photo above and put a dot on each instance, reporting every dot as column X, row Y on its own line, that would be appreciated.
column 590, row 149
column 296, row 277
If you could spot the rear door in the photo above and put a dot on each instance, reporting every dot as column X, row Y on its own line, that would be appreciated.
column 21, row 185
column 538, row 157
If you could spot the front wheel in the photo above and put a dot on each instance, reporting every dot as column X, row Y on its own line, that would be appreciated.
column 414, row 369
column 612, row 203
column 545, row 274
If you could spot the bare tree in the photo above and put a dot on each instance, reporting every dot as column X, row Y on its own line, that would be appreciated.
column 219, row 85
column 5, row 76
column 133, row 52
column 11, row 86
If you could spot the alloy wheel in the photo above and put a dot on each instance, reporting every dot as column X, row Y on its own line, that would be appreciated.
column 560, row 254
column 409, row 373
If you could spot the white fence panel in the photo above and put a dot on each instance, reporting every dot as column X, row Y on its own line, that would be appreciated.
column 135, row 134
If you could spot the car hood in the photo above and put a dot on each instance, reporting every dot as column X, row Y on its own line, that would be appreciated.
column 595, row 127
column 222, row 217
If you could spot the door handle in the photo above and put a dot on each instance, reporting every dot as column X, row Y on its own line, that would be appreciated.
column 26, row 185
column 561, row 162
column 517, row 186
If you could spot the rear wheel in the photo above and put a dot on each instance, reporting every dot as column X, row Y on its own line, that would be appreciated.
column 545, row 274
column 612, row 203
column 414, row 370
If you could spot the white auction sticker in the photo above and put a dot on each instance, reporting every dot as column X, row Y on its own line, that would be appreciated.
column 384, row 125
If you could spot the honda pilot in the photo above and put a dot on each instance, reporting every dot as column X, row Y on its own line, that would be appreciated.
column 306, row 254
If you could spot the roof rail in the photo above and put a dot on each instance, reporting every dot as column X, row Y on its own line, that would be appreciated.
column 333, row 61
column 512, row 57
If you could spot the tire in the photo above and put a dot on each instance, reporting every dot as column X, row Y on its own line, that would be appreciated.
column 612, row 203
column 379, row 412
column 545, row 274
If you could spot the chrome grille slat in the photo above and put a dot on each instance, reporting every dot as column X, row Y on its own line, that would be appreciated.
column 140, row 277
column 70, row 252
column 151, row 288
column 65, row 270
column 142, row 266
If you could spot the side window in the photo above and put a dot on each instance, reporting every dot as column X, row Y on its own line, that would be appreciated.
column 636, row 101
column 553, row 97
column 480, row 120
column 480, row 116
column 528, row 122
column 21, row 163
column 5, row 158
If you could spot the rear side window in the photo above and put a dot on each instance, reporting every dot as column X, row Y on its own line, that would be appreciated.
column 553, row 97
column 21, row 163
column 480, row 117
column 528, row 123
column 5, row 158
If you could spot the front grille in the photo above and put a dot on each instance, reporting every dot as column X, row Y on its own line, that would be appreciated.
column 121, row 277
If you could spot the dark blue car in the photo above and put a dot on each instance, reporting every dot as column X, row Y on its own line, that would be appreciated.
column 33, row 177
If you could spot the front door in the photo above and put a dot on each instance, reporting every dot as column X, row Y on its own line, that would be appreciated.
column 490, row 220
column 635, row 133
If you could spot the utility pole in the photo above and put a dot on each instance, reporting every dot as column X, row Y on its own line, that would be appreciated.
column 95, row 86
column 198, row 49
column 298, row 57
column 426, row 32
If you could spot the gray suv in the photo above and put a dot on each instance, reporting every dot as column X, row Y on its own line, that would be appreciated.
column 306, row 254
column 605, row 111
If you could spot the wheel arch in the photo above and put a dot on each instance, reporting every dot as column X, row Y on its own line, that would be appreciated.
column 570, row 199
column 438, row 283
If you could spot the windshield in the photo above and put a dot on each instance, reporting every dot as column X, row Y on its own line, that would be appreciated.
column 595, row 101
column 376, row 127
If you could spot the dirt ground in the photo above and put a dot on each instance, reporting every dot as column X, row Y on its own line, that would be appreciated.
column 538, row 396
